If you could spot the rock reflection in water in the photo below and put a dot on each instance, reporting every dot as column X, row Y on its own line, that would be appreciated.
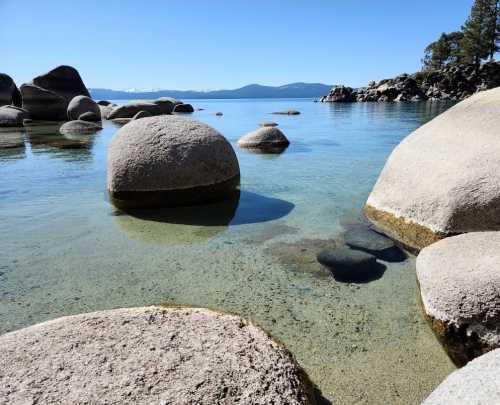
column 195, row 224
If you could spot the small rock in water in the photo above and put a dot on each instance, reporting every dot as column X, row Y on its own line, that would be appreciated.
column 79, row 127
column 367, row 240
column 268, row 124
column 219, row 114
column 350, row 265
column 289, row 112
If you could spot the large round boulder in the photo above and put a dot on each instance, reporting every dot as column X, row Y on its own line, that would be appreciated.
column 265, row 138
column 170, row 160
column 82, row 104
column 12, row 116
column 47, row 96
column 444, row 178
column 475, row 384
column 9, row 93
column 130, row 109
column 149, row 355
column 459, row 281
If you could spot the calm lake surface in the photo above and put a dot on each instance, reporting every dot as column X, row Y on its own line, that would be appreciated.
column 66, row 250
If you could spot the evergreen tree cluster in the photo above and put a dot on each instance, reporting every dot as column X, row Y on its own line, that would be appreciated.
column 479, row 39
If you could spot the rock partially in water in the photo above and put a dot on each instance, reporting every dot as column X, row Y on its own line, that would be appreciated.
column 289, row 112
column 340, row 93
column 474, row 384
column 132, row 108
column 459, row 281
column 81, row 105
column 12, row 116
column 350, row 265
column 169, row 161
column 268, row 124
column 47, row 96
column 182, row 355
column 443, row 178
column 183, row 108
column 266, row 139
column 219, row 114
column 367, row 240
column 79, row 127
column 9, row 93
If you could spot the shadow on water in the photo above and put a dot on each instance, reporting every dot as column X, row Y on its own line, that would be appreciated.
column 185, row 225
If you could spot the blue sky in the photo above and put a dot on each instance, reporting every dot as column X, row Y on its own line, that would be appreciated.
column 214, row 44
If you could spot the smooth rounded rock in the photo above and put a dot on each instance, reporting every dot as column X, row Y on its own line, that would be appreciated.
column 459, row 280
column 132, row 108
column 349, row 265
column 443, row 178
column 170, row 160
column 12, row 116
column 183, row 108
column 82, row 104
column 265, row 138
column 475, row 384
column 149, row 355
column 79, row 127
column 167, row 104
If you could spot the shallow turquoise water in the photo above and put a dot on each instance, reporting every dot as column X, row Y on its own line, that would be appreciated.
column 66, row 250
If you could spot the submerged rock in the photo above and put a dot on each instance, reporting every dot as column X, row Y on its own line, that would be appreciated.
column 183, row 108
column 79, row 127
column 82, row 104
column 367, row 240
column 474, row 384
column 265, row 138
column 459, row 281
column 443, row 178
column 47, row 96
column 138, row 355
column 348, row 264
column 170, row 160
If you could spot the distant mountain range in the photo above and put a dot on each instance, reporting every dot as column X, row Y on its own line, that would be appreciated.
column 293, row 90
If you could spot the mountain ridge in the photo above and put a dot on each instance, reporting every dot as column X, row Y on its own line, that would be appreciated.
column 291, row 90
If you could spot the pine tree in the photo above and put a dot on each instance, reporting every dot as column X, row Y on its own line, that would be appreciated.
column 481, row 32
column 444, row 51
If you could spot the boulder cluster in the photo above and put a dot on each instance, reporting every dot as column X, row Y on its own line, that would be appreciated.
column 450, row 83
column 439, row 195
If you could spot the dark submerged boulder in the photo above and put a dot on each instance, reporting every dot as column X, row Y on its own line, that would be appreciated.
column 350, row 265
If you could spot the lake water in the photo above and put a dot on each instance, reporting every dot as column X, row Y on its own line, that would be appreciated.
column 66, row 250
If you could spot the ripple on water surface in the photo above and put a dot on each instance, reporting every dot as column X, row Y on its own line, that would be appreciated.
column 66, row 250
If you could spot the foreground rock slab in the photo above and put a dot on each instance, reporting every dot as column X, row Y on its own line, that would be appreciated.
column 459, row 281
column 443, row 178
column 148, row 356
column 170, row 160
column 474, row 384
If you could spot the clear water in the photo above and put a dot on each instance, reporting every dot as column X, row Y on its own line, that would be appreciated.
column 66, row 250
